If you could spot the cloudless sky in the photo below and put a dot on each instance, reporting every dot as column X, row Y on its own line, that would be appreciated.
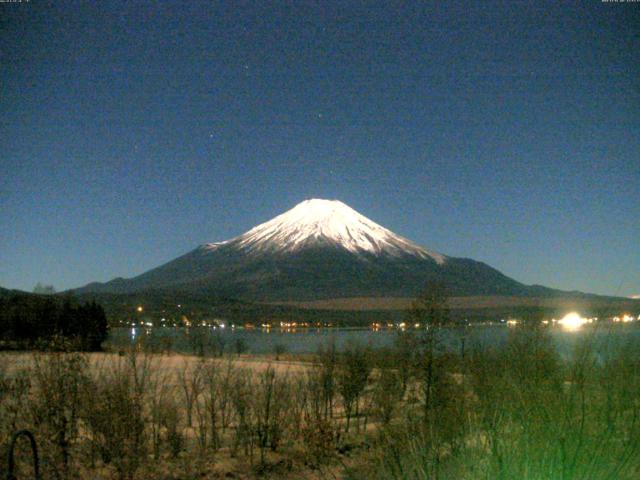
column 507, row 132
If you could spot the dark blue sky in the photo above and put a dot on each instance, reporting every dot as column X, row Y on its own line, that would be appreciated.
column 507, row 132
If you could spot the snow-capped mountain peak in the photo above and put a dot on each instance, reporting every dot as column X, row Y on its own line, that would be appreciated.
column 326, row 221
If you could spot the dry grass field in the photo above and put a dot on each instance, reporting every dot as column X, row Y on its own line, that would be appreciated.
column 173, row 362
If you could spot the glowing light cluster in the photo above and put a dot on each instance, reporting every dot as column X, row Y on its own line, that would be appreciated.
column 624, row 319
column 572, row 321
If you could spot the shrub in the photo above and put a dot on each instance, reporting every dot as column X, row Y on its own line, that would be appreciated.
column 114, row 414
column 58, row 379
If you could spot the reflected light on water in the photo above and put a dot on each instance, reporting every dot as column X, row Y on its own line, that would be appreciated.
column 572, row 321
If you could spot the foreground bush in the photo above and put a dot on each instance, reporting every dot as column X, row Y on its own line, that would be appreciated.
column 522, row 413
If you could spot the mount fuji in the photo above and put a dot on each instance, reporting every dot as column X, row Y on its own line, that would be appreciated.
column 320, row 249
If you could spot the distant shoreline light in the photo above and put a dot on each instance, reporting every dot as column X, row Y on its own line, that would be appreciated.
column 572, row 321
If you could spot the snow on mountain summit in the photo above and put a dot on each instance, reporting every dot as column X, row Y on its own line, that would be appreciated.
column 326, row 221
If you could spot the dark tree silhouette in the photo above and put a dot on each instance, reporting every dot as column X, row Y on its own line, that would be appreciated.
column 430, row 308
column 27, row 319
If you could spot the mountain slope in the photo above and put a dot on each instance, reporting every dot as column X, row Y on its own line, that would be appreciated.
column 319, row 249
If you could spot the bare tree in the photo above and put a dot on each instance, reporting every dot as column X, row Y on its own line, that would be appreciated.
column 190, row 381
column 430, row 311
column 354, row 368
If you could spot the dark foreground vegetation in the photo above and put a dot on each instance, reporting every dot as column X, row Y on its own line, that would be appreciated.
column 410, row 412
column 31, row 321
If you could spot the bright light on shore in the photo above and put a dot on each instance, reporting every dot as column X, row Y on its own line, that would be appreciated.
column 572, row 321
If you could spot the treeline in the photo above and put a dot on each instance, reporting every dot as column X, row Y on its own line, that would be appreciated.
column 27, row 321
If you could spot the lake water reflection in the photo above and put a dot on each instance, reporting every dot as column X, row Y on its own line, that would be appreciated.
column 209, row 340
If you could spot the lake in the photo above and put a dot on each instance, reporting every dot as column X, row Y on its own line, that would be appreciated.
column 208, row 340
